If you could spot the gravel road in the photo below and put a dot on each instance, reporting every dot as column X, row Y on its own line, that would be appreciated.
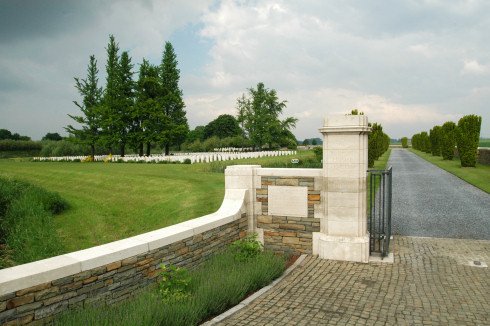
column 430, row 202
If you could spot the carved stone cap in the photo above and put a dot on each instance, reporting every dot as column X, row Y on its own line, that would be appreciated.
column 345, row 124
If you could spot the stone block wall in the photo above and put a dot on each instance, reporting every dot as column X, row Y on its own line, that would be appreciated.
column 484, row 156
column 288, row 234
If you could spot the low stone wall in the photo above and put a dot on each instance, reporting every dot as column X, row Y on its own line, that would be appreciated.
column 110, row 273
column 484, row 156
column 289, row 234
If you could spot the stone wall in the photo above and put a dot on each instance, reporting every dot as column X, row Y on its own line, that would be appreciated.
column 484, row 156
column 282, row 233
column 38, row 291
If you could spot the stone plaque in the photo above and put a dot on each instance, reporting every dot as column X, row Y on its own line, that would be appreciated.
column 288, row 201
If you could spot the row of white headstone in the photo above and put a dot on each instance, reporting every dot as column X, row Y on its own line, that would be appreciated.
column 177, row 157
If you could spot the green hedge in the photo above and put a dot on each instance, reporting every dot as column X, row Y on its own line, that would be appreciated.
column 19, row 145
column 467, row 138
column 405, row 142
column 435, row 140
column 448, row 140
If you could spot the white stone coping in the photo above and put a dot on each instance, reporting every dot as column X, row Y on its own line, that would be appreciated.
column 285, row 172
column 31, row 274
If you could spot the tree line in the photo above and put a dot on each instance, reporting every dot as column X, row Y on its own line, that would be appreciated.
column 150, row 111
column 442, row 140
column 128, row 112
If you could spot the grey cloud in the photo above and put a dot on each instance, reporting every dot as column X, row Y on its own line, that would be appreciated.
column 22, row 20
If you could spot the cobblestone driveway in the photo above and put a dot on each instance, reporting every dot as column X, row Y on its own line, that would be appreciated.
column 430, row 283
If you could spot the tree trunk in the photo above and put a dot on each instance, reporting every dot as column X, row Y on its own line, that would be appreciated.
column 123, row 148
column 148, row 149
column 167, row 149
column 92, row 151
column 141, row 149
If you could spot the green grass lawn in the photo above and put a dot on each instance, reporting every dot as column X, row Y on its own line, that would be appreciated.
column 478, row 176
column 109, row 202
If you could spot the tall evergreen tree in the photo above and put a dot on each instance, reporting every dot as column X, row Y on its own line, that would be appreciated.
column 90, row 106
column 110, row 123
column 125, row 101
column 148, row 118
column 171, row 101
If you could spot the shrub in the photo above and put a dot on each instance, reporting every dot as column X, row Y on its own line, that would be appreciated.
column 448, row 140
column 378, row 143
column 435, row 140
column 174, row 284
column 405, row 142
column 425, row 142
column 467, row 138
column 318, row 153
column 187, row 161
column 246, row 248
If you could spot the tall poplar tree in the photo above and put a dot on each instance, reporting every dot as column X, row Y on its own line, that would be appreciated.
column 148, row 119
column 125, row 101
column 110, row 117
column 90, row 107
column 171, row 101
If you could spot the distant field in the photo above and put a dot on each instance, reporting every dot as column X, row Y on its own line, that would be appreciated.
column 484, row 143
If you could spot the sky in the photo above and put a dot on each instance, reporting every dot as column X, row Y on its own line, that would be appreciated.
column 407, row 64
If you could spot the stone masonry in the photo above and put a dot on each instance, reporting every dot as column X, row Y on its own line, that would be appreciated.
column 288, row 234
column 115, row 281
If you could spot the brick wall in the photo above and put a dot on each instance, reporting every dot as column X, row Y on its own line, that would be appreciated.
column 288, row 234
column 115, row 281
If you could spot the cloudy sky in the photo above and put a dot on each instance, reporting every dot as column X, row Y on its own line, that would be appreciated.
column 408, row 64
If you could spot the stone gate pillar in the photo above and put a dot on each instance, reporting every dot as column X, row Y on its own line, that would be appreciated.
column 343, row 225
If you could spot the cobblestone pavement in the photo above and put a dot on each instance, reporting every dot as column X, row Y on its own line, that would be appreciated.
column 430, row 202
column 430, row 283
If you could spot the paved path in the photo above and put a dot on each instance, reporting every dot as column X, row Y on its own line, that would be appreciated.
column 430, row 202
column 430, row 283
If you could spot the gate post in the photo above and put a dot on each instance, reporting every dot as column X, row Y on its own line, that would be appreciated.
column 343, row 225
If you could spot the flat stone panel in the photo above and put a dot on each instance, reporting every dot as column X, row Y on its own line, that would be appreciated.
column 288, row 201
column 340, row 141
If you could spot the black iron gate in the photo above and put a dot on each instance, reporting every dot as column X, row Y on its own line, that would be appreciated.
column 379, row 221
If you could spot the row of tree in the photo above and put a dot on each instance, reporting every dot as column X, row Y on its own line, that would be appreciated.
column 127, row 112
column 6, row 134
column 441, row 140
column 151, row 110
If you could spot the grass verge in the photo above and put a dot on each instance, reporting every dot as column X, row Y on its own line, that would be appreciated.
column 478, row 176
column 27, row 230
column 218, row 284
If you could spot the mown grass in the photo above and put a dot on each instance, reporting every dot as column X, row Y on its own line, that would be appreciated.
column 218, row 284
column 484, row 143
column 109, row 202
column 478, row 176
column 27, row 230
